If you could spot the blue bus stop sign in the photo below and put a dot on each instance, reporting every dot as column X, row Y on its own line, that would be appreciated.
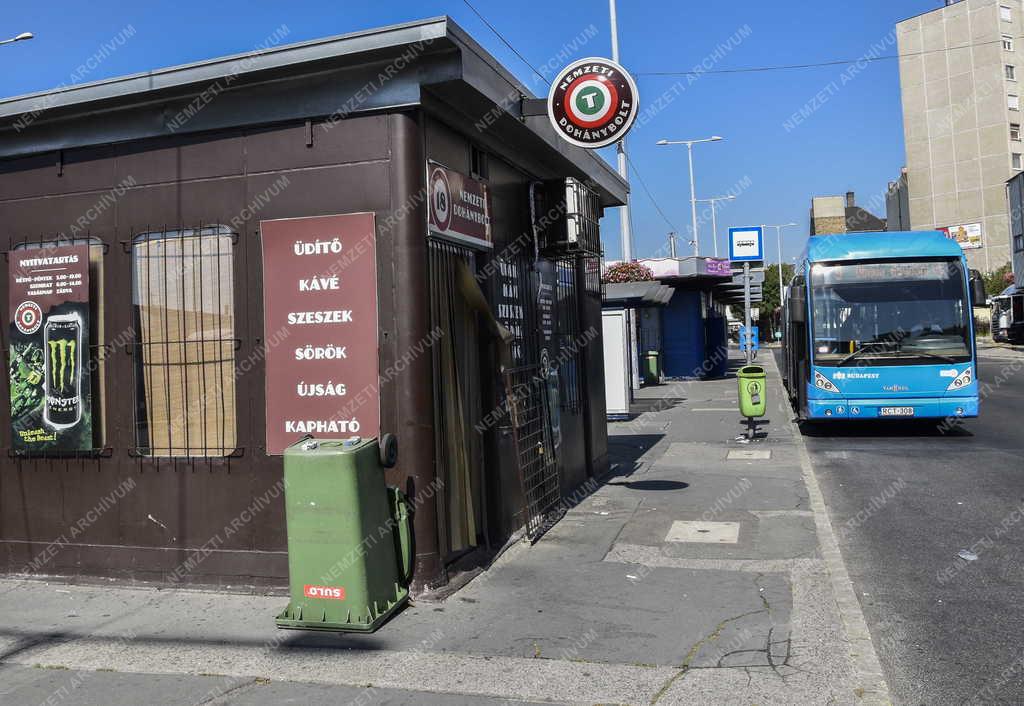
column 746, row 244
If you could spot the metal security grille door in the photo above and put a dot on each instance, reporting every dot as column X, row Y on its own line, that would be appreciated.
column 526, row 400
column 185, row 343
column 525, row 392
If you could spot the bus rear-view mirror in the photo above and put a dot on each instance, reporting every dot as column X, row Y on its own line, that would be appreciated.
column 978, row 294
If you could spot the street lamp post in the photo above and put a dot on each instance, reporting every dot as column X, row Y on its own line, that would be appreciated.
column 20, row 38
column 693, row 187
column 714, row 223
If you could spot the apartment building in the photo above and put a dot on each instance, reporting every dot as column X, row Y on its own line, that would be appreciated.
column 961, row 82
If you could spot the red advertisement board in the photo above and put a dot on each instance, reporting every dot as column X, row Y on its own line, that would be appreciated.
column 320, row 323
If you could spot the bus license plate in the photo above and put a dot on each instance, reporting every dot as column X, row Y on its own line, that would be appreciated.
column 896, row 412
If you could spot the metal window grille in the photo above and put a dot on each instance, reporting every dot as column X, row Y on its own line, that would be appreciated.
column 182, row 291
column 583, row 212
column 567, row 336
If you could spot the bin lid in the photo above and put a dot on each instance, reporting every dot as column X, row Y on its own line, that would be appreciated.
column 751, row 371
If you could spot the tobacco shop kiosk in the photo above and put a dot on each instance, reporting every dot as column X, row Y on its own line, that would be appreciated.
column 351, row 236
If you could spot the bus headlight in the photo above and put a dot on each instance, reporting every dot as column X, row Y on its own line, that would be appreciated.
column 962, row 380
column 823, row 383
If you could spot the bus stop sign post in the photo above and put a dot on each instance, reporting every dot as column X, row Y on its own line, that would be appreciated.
column 746, row 245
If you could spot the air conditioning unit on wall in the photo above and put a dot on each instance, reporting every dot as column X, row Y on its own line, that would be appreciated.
column 566, row 217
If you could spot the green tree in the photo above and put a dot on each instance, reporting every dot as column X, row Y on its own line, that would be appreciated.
column 770, row 306
column 997, row 280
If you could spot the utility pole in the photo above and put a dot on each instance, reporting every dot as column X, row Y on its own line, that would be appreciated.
column 620, row 149
column 624, row 223
column 672, row 245
column 693, row 202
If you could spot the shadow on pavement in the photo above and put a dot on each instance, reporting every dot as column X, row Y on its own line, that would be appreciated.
column 625, row 450
column 653, row 485
column 284, row 639
column 887, row 429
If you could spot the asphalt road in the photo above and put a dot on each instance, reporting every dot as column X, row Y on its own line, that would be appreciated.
column 905, row 500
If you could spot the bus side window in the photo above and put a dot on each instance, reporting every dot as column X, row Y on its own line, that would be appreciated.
column 798, row 301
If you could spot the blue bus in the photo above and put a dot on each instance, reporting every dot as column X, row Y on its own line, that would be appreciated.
column 880, row 325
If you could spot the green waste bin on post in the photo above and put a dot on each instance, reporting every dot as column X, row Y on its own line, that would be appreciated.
column 753, row 400
column 350, row 539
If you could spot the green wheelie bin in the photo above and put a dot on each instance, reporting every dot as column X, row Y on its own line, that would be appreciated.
column 350, row 541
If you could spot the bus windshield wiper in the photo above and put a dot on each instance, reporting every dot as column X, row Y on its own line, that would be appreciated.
column 861, row 350
column 929, row 354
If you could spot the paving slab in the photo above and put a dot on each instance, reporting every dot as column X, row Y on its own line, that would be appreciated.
column 775, row 536
column 50, row 685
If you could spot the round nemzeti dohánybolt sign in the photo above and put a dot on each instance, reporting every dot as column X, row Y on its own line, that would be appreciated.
column 593, row 103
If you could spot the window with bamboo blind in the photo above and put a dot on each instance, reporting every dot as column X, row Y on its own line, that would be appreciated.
column 185, row 342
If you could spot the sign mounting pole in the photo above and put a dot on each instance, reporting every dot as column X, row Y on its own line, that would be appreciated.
column 746, row 311
column 746, row 245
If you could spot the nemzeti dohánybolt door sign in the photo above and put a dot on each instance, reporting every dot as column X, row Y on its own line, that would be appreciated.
column 49, row 357
column 460, row 207
column 320, row 328
column 593, row 103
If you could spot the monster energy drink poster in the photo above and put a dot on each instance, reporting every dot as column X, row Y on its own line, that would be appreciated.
column 49, row 360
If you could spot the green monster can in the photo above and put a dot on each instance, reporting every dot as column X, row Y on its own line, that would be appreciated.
column 62, row 382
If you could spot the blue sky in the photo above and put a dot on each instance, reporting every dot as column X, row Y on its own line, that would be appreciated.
column 851, row 137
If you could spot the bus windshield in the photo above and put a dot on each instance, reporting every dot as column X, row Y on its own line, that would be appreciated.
column 890, row 313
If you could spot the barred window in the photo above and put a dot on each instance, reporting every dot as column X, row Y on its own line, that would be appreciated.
column 185, row 342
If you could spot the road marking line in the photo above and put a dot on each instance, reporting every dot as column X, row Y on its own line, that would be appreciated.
column 862, row 649
column 713, row 409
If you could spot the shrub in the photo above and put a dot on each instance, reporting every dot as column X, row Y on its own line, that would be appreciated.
column 628, row 272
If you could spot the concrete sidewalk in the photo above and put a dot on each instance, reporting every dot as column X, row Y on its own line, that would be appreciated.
column 700, row 571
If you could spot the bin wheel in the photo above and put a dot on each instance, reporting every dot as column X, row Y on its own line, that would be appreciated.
column 388, row 450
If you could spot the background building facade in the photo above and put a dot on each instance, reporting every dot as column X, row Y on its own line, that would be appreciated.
column 841, row 214
column 897, row 204
column 961, row 76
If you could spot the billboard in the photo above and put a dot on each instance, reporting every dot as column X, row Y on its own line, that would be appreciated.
column 320, row 324
column 50, row 362
column 968, row 235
